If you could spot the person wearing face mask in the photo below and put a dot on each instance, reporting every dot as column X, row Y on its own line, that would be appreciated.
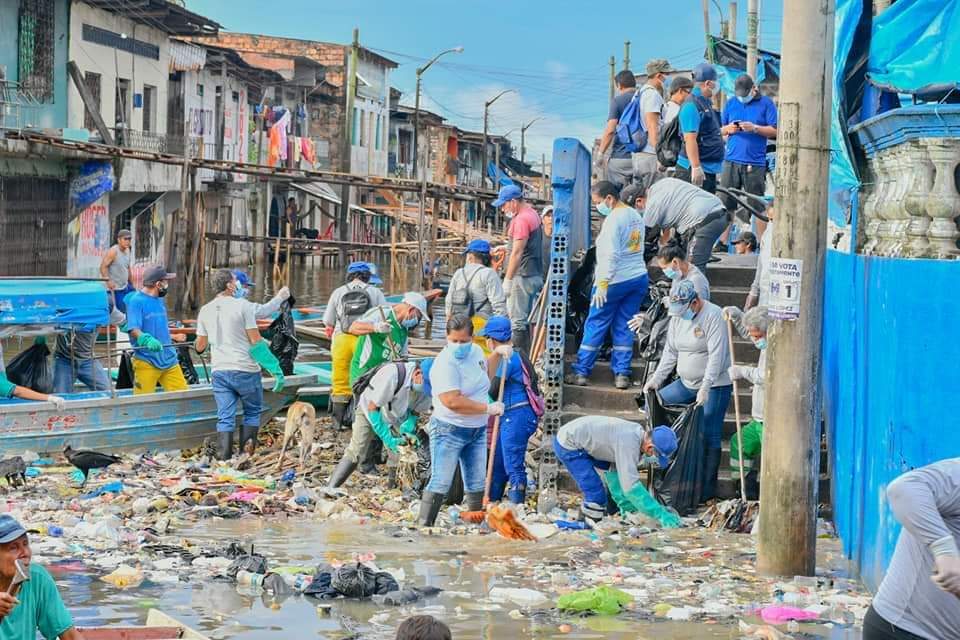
column 245, row 287
column 588, row 443
column 751, row 325
column 458, row 427
column 701, row 155
column 674, row 264
column 697, row 347
column 397, row 394
column 748, row 122
column 228, row 324
column 620, row 285
column 154, row 361
column 383, row 333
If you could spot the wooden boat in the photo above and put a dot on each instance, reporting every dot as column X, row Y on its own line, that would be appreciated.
column 159, row 626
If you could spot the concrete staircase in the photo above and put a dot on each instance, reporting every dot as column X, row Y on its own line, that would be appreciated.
column 730, row 282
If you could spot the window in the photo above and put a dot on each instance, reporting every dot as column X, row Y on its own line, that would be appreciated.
column 122, row 103
column 92, row 80
column 149, row 108
column 35, row 48
column 363, row 129
column 355, row 132
column 377, row 139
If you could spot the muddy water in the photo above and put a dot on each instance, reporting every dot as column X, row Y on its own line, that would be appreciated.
column 465, row 567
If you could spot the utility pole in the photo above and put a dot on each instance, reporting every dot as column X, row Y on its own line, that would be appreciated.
column 706, row 29
column 791, row 435
column 626, row 55
column 486, row 118
column 613, row 74
column 416, row 108
column 732, row 21
column 350, row 87
column 753, row 25
column 523, row 138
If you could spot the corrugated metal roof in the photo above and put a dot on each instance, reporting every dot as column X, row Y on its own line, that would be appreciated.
column 186, row 57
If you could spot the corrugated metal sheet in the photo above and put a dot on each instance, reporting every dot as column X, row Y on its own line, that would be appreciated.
column 186, row 57
column 33, row 221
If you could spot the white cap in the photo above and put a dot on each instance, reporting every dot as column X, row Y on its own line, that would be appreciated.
column 418, row 302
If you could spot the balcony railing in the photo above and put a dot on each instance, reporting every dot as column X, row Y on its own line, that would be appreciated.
column 140, row 140
column 18, row 109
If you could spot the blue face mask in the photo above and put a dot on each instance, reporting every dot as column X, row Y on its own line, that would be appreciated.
column 687, row 314
column 460, row 350
column 410, row 323
column 651, row 460
column 761, row 344
column 745, row 99
column 604, row 209
column 239, row 292
column 671, row 273
column 418, row 387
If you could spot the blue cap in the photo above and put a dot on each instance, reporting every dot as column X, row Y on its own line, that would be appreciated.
column 10, row 529
column 359, row 267
column 508, row 193
column 497, row 328
column 478, row 246
column 665, row 442
column 425, row 365
column 704, row 72
column 374, row 278
column 243, row 278
column 680, row 297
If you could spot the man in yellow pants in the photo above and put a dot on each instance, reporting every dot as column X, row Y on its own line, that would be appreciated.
column 154, row 361
column 347, row 304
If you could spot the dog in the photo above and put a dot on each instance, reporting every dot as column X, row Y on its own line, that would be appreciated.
column 302, row 418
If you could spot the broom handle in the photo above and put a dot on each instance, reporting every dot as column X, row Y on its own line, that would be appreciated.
column 496, row 435
column 736, row 409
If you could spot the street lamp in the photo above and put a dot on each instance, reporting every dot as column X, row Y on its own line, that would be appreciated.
column 416, row 108
column 486, row 114
column 523, row 137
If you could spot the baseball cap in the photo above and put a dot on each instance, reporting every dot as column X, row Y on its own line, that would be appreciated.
column 749, row 238
column 704, row 72
column 10, row 529
column 658, row 65
column 497, row 328
column 124, row 233
column 743, row 85
column 359, row 267
column 243, row 277
column 425, row 366
column 417, row 301
column 507, row 193
column 681, row 297
column 665, row 442
column 680, row 82
column 375, row 279
column 478, row 245
column 155, row 273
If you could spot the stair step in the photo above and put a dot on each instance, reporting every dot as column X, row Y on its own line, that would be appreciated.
column 729, row 296
column 606, row 396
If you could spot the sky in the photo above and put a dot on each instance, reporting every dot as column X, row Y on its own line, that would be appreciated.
column 553, row 54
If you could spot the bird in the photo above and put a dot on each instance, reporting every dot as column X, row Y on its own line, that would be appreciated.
column 86, row 460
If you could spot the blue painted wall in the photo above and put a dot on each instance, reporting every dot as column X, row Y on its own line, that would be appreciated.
column 891, row 373
column 51, row 114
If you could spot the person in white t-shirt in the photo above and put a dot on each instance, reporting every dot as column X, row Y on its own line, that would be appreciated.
column 228, row 324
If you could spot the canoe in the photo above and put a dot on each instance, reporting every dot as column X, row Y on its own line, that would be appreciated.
column 159, row 626
column 97, row 420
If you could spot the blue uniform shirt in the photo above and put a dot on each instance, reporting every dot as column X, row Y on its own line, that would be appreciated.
column 743, row 147
column 690, row 123
column 149, row 315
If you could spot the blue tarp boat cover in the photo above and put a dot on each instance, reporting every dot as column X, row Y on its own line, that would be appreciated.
column 914, row 47
column 60, row 302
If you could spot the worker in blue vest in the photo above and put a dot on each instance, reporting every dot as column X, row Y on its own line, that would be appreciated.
column 701, row 155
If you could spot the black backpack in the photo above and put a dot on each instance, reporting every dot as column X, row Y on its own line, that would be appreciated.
column 670, row 143
column 355, row 303
column 360, row 384
column 461, row 301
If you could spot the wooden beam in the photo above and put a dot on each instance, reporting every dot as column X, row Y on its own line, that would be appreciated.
column 88, row 102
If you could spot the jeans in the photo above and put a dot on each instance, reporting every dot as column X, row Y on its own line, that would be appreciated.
column 713, row 411
column 623, row 301
column 118, row 296
column 229, row 387
column 583, row 467
column 89, row 372
column 525, row 290
column 509, row 461
column 451, row 445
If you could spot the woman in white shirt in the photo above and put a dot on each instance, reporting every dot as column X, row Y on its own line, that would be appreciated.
column 458, row 428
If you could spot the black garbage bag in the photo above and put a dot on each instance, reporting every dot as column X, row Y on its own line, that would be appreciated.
column 284, row 343
column 406, row 596
column 360, row 581
column 681, row 483
column 320, row 587
column 125, row 373
column 186, row 365
column 32, row 369
column 578, row 294
column 250, row 562
column 652, row 334
column 275, row 584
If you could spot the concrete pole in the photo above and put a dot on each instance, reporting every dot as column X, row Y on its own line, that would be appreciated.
column 732, row 22
column 791, row 435
column 753, row 27
column 613, row 73
column 626, row 55
column 706, row 29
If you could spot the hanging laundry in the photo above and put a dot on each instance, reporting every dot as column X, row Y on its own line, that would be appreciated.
column 278, row 140
column 295, row 151
column 309, row 150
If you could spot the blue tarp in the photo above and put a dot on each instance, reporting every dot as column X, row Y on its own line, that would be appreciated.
column 914, row 47
column 61, row 303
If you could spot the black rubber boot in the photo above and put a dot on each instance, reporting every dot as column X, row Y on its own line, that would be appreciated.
column 248, row 439
column 344, row 468
column 224, row 445
column 474, row 501
column 372, row 456
column 338, row 413
column 429, row 508
column 711, row 467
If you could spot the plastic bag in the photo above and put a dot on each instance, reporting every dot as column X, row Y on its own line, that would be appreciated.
column 125, row 372
column 186, row 365
column 360, row 581
column 284, row 343
column 251, row 563
column 602, row 600
column 32, row 369
column 680, row 484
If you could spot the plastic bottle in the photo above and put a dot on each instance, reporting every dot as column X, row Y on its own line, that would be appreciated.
column 249, row 579
column 54, row 531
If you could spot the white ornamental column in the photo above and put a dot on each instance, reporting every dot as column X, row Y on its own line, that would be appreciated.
column 921, row 182
column 943, row 203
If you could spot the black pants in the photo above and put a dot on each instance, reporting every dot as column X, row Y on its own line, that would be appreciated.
column 709, row 179
column 876, row 628
column 746, row 177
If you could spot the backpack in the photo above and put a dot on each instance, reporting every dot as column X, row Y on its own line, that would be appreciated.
column 355, row 303
column 670, row 143
column 631, row 132
column 461, row 301
column 532, row 387
column 360, row 384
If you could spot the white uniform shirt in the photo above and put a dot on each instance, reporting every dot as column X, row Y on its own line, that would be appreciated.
column 394, row 405
column 620, row 247
column 673, row 203
column 224, row 322
column 698, row 349
column 469, row 376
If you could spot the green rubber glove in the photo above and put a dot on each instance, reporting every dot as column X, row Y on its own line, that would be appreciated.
column 149, row 343
column 408, row 430
column 616, row 492
column 638, row 499
column 382, row 429
column 261, row 354
column 40, row 340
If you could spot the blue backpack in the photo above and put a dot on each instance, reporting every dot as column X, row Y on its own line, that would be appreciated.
column 631, row 132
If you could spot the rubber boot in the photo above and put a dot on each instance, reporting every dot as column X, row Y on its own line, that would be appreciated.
column 371, row 457
column 344, row 468
column 248, row 439
column 429, row 508
column 517, row 495
column 711, row 467
column 224, row 445
column 338, row 410
column 474, row 501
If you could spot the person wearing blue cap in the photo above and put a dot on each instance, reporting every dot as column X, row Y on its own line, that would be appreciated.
column 347, row 304
column 701, row 155
column 245, row 285
column 523, row 274
column 520, row 417
column 588, row 443
column 698, row 349
column 475, row 289
column 29, row 600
